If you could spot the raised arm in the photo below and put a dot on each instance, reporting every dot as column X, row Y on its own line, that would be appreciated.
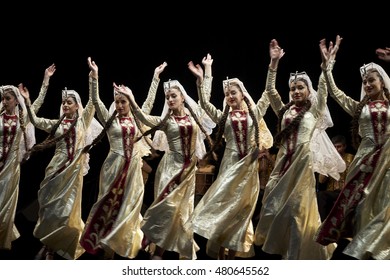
column 93, row 79
column 147, row 106
column 276, row 53
column 328, row 56
column 49, row 71
column 204, row 82
column 41, row 123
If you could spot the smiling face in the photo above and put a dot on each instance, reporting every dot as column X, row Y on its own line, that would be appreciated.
column 69, row 106
column 234, row 96
column 9, row 101
column 373, row 85
column 299, row 91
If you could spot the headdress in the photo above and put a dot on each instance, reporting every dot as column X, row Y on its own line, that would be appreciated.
column 381, row 71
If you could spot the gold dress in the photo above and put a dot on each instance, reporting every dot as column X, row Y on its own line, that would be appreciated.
column 174, row 188
column 224, row 214
column 114, row 221
column 10, row 137
column 59, row 224
column 289, row 216
column 362, row 210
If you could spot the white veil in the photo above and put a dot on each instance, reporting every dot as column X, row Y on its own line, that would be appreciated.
column 381, row 71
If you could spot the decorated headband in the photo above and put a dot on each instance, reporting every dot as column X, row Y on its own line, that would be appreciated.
column 66, row 94
column 365, row 67
column 173, row 83
column 295, row 76
column 226, row 83
column 4, row 89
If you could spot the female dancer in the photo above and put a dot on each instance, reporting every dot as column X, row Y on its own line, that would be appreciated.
column 224, row 214
column 16, row 137
column 114, row 220
column 362, row 210
column 182, row 130
column 59, row 224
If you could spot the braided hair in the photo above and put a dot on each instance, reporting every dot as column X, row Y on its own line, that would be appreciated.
column 102, row 133
column 50, row 140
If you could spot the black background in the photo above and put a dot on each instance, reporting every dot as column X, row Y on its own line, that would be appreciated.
column 128, row 41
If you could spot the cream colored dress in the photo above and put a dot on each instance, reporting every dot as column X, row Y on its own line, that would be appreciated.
column 174, row 186
column 289, row 216
column 59, row 224
column 114, row 221
column 224, row 214
column 362, row 210
column 10, row 136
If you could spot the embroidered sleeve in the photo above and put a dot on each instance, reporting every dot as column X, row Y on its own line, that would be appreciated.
column 147, row 106
column 347, row 103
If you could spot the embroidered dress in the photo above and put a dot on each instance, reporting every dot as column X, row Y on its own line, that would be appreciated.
column 10, row 141
column 59, row 224
column 362, row 210
column 289, row 216
column 174, row 190
column 224, row 214
column 115, row 219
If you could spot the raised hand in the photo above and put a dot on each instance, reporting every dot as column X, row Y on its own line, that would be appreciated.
column 275, row 51
column 124, row 90
column 207, row 60
column 195, row 69
column 383, row 54
column 49, row 71
column 93, row 67
column 333, row 49
column 159, row 69
column 24, row 92
column 329, row 53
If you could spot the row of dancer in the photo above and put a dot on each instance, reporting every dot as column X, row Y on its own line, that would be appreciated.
column 289, row 217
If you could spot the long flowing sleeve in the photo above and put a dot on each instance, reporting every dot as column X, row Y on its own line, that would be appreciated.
column 271, row 79
column 40, row 99
column 347, row 103
column 40, row 123
column 89, row 110
column 322, row 95
column 147, row 106
column 204, row 100
column 147, row 119
column 101, row 110
column 271, row 92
